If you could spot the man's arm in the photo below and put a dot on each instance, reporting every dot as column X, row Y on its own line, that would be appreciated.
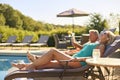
column 75, row 44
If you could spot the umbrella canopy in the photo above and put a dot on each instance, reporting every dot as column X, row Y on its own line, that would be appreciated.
column 72, row 13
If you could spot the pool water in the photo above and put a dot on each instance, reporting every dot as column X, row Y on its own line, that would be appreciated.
column 5, row 63
column 2, row 74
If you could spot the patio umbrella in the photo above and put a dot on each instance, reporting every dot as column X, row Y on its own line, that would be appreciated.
column 72, row 13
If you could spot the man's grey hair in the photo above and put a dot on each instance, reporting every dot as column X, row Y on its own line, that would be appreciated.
column 95, row 31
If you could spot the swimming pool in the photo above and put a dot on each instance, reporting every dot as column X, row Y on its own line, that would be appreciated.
column 5, row 63
column 8, row 56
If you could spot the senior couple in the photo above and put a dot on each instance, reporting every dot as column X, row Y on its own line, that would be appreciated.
column 52, row 58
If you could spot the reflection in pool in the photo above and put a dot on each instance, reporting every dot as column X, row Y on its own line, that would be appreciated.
column 5, row 63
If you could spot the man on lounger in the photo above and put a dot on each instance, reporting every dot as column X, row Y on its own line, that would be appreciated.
column 93, row 38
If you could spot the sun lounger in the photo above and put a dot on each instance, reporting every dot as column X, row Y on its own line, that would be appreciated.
column 65, row 72
column 27, row 39
column 41, row 42
column 10, row 41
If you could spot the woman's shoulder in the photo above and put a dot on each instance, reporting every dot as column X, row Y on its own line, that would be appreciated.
column 102, row 45
column 99, row 46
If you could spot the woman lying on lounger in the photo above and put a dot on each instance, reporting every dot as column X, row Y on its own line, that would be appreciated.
column 52, row 58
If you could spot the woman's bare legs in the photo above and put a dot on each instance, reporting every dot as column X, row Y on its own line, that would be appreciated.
column 46, row 60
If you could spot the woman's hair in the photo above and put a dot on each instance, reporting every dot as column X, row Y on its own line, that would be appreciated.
column 111, row 36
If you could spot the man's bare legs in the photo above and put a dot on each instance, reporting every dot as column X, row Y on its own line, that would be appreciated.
column 32, row 57
column 45, row 61
column 77, row 46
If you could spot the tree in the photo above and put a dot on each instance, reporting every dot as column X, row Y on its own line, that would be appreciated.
column 114, row 21
column 96, row 22
column 15, row 21
column 2, row 20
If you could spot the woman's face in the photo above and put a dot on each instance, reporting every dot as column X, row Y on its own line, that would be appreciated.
column 104, row 37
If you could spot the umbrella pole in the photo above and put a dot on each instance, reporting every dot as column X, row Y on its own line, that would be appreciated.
column 73, row 23
column 119, row 28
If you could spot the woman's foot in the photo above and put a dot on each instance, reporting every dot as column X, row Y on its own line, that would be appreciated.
column 31, row 57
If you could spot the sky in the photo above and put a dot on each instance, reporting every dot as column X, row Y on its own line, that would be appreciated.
column 46, row 10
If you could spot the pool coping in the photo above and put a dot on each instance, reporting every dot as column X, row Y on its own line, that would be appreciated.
column 21, row 52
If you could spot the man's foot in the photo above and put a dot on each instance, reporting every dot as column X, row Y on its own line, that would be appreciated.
column 20, row 66
column 31, row 57
column 30, row 67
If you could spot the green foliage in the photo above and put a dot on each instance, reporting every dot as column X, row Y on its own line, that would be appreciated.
column 2, row 19
column 6, row 32
column 96, row 22
column 15, row 19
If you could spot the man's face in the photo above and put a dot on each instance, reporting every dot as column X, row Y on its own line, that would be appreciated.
column 93, row 37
